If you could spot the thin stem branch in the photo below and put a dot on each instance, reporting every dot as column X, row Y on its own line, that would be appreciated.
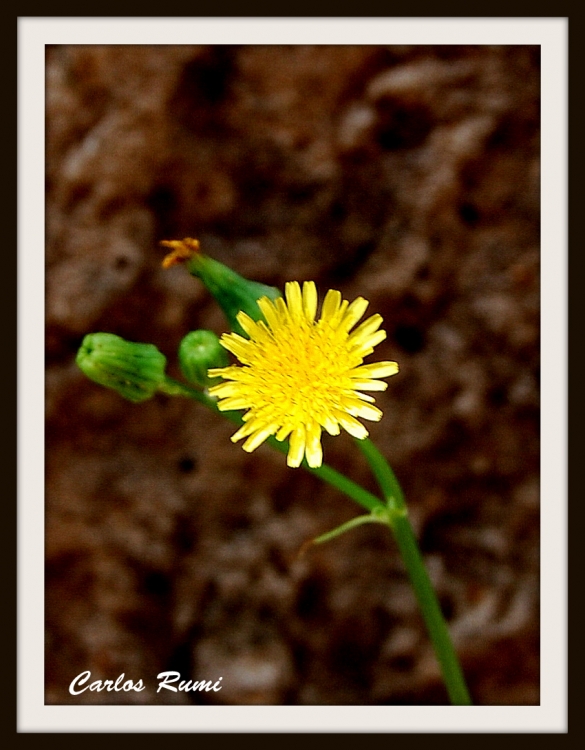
column 352, row 524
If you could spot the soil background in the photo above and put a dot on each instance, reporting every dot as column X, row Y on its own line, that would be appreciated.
column 408, row 175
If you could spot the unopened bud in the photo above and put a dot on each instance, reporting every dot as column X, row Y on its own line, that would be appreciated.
column 134, row 370
column 199, row 351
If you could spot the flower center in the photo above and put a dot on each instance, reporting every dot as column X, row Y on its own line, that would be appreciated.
column 301, row 370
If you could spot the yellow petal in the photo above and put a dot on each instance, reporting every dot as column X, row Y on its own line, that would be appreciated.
column 228, row 373
column 283, row 432
column 294, row 299
column 237, row 345
column 231, row 404
column 258, row 438
column 366, row 345
column 310, row 300
column 313, row 448
column 296, row 449
column 249, row 325
column 269, row 311
column 352, row 426
column 370, row 385
column 376, row 370
column 281, row 309
column 366, row 328
column 354, row 312
column 331, row 304
column 330, row 425
column 367, row 411
column 244, row 431
column 224, row 390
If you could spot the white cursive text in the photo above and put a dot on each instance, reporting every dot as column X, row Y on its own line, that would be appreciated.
column 186, row 685
column 99, row 685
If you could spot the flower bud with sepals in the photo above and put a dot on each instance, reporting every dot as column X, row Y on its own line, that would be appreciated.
column 199, row 351
column 134, row 370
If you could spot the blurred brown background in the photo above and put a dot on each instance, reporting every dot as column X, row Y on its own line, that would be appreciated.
column 408, row 175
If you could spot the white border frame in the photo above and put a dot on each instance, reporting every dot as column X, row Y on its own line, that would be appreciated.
column 33, row 35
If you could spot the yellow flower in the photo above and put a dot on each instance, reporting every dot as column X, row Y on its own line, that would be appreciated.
column 300, row 375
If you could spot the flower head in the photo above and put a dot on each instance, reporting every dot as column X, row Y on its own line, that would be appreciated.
column 299, row 375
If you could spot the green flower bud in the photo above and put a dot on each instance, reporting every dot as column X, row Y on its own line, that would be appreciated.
column 232, row 291
column 199, row 351
column 134, row 370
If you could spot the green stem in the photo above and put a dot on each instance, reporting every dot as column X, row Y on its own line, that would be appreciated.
column 386, row 478
column 413, row 561
column 433, row 617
